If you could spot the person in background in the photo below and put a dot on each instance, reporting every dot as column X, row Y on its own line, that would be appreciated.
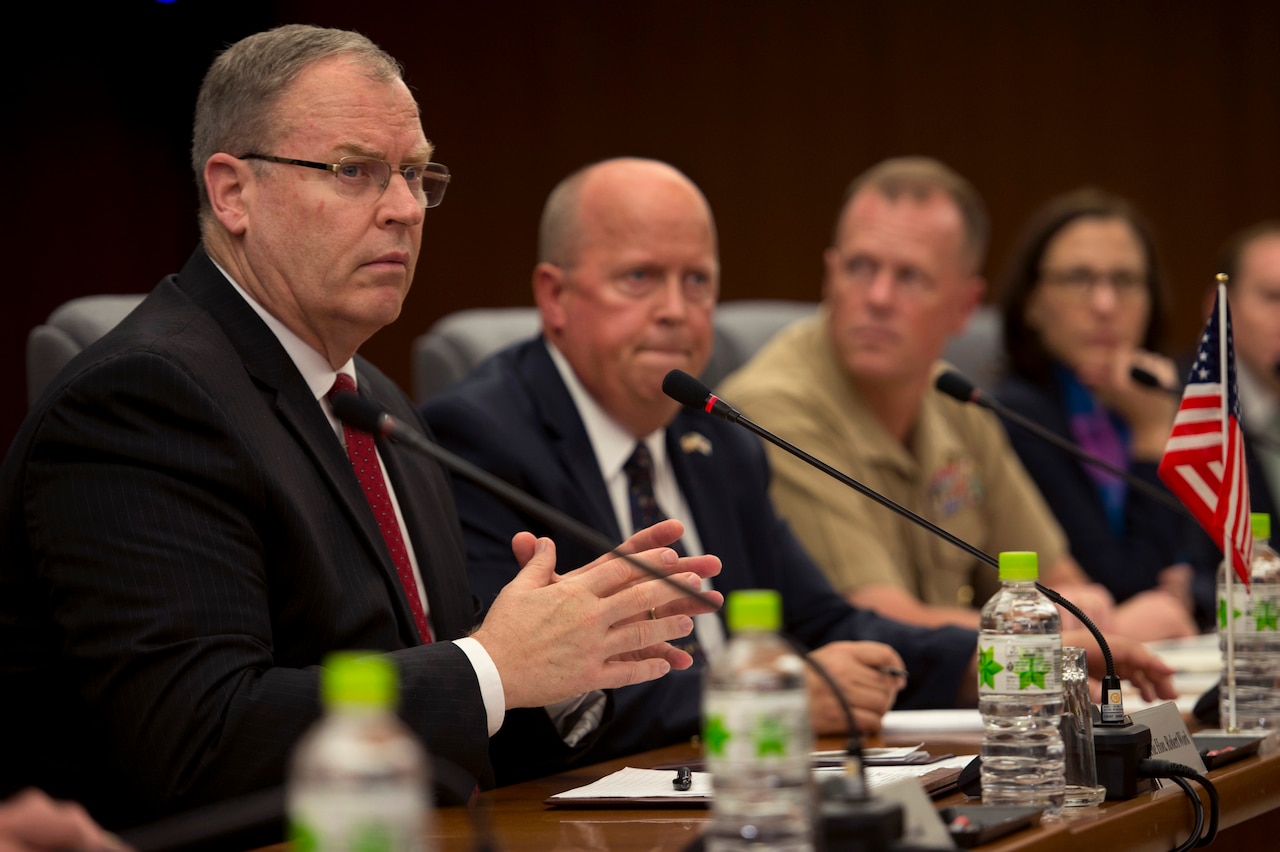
column 1083, row 303
column 1251, row 261
column 626, row 286
column 855, row 386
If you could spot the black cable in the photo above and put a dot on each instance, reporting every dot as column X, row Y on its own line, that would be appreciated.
column 853, row 745
column 1192, row 841
column 1151, row 768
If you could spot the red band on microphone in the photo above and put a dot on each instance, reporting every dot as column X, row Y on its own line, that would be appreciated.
column 712, row 399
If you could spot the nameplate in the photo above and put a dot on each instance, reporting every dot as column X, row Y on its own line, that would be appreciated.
column 1170, row 739
column 922, row 828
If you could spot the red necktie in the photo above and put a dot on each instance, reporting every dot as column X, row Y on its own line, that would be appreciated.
column 364, row 458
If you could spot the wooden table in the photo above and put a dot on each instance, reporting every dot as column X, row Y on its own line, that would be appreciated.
column 1155, row 822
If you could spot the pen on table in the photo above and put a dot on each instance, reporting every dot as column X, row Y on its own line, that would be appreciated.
column 683, row 779
column 893, row 671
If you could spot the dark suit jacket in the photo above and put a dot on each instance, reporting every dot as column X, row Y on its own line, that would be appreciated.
column 184, row 541
column 1155, row 537
column 514, row 417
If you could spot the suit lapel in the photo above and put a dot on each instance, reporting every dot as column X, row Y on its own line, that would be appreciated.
column 283, row 388
column 572, row 448
column 707, row 482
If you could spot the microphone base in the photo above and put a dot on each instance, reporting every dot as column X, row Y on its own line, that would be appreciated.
column 1118, row 749
column 858, row 825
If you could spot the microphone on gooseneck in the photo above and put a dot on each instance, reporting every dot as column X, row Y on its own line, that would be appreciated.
column 687, row 390
column 368, row 416
column 956, row 386
column 853, row 826
column 1119, row 743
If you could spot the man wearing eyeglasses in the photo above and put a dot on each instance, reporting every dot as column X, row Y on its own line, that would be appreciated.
column 626, row 286
column 187, row 535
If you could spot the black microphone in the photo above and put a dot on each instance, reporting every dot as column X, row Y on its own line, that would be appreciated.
column 367, row 416
column 1118, row 744
column 1148, row 379
column 956, row 386
column 877, row 820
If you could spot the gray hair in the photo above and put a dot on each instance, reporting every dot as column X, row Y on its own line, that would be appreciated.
column 235, row 110
column 919, row 177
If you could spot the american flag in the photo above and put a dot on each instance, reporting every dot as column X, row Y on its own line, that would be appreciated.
column 1216, row 490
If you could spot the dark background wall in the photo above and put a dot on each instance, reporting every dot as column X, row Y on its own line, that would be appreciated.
column 771, row 107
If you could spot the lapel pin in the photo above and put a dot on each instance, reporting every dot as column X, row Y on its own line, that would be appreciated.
column 695, row 442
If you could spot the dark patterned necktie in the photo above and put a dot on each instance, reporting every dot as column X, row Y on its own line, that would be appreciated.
column 645, row 511
column 364, row 459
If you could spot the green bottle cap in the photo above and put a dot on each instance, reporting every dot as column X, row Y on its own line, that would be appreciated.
column 358, row 678
column 1261, row 523
column 1019, row 565
column 753, row 609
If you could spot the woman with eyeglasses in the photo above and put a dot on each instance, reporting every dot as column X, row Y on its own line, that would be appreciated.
column 1083, row 304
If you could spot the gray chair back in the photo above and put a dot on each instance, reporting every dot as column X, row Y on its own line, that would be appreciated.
column 458, row 342
column 978, row 352
column 70, row 328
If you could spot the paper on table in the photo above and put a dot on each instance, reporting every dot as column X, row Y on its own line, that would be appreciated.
column 631, row 783
column 895, row 753
column 1198, row 654
column 914, row 722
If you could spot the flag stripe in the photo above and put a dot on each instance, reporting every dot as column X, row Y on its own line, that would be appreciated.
column 1203, row 466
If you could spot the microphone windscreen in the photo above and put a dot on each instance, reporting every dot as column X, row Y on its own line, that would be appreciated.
column 955, row 385
column 1145, row 377
column 685, row 389
column 356, row 412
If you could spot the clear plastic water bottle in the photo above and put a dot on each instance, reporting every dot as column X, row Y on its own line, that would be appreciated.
column 1256, row 625
column 358, row 780
column 756, row 734
column 1020, row 691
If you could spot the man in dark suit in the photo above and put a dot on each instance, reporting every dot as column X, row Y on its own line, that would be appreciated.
column 186, row 537
column 626, row 289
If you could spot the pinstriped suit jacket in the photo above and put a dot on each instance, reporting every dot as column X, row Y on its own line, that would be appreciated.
column 184, row 540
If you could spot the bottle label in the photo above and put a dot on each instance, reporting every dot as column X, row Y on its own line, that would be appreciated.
column 756, row 728
column 1019, row 663
column 1254, row 611
column 378, row 820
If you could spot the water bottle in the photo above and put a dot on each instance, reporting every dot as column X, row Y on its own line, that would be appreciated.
column 1020, row 691
column 1256, row 626
column 756, row 734
column 358, row 779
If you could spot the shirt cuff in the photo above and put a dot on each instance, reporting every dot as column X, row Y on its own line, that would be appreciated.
column 491, row 692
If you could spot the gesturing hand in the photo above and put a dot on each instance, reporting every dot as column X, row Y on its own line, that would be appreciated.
column 552, row 637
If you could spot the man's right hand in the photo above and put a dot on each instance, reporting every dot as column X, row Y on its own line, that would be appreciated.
column 856, row 667
column 555, row 636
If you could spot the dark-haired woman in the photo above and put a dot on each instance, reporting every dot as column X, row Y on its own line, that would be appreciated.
column 1083, row 303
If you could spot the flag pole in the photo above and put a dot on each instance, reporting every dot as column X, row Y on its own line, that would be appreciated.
column 1228, row 560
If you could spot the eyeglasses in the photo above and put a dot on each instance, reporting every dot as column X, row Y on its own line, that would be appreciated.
column 1080, row 281
column 365, row 178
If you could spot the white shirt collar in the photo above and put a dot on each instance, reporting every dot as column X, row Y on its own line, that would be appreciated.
column 611, row 443
column 1258, row 403
column 314, row 367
